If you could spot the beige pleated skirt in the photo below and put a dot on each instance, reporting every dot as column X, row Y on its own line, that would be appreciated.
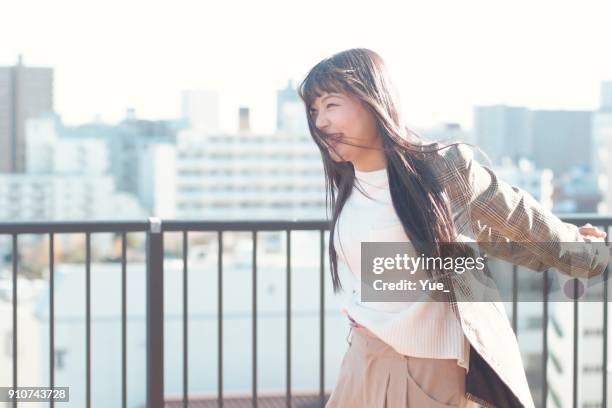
column 373, row 375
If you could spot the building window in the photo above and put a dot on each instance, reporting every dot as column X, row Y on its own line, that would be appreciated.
column 598, row 331
column 534, row 322
column 592, row 368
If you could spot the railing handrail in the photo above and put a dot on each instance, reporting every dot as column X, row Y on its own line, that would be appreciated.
column 174, row 225
column 102, row 226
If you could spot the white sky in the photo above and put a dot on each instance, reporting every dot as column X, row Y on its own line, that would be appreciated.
column 446, row 56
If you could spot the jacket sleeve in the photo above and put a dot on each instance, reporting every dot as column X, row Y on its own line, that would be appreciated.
column 506, row 215
column 495, row 244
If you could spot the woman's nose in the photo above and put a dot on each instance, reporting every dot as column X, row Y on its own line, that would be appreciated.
column 321, row 121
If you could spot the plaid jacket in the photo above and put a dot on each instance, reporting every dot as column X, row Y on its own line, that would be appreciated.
column 487, row 211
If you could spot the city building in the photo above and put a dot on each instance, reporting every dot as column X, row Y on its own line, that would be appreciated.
column 590, row 355
column 157, row 187
column 31, row 352
column 201, row 110
column 577, row 191
column 448, row 132
column 244, row 120
column 277, row 176
column 536, row 182
column 503, row 131
column 602, row 147
column 605, row 93
column 290, row 111
column 561, row 139
column 67, row 179
column 25, row 92
column 126, row 144
column 555, row 140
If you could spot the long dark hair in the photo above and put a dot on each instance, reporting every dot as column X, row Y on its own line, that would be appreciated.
column 417, row 196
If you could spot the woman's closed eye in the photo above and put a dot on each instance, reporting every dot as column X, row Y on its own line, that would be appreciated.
column 329, row 105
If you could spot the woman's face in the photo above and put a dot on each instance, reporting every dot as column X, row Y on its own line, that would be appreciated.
column 344, row 119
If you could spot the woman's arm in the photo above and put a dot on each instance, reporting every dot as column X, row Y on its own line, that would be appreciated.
column 514, row 214
column 498, row 246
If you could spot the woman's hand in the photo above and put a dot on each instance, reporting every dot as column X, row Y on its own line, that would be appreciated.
column 589, row 230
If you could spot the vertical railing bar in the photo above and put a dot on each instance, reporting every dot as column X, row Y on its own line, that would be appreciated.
column 15, row 314
column 88, row 319
column 515, row 299
column 545, row 340
column 575, row 357
column 185, row 323
column 322, row 319
column 51, row 317
column 254, row 320
column 155, row 314
column 288, row 357
column 220, row 319
column 604, row 391
column 123, row 320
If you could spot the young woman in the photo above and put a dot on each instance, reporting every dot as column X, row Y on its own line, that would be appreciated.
column 385, row 184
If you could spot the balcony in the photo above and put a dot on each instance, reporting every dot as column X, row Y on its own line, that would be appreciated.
column 160, row 344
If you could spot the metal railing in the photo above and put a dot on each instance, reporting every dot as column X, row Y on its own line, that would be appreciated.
column 155, row 229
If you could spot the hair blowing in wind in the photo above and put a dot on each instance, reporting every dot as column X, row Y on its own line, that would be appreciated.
column 418, row 198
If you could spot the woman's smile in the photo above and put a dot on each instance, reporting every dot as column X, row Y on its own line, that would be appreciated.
column 334, row 139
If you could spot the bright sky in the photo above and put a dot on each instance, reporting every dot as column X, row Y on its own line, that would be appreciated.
column 445, row 56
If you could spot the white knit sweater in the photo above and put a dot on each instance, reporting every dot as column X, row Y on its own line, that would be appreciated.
column 418, row 329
